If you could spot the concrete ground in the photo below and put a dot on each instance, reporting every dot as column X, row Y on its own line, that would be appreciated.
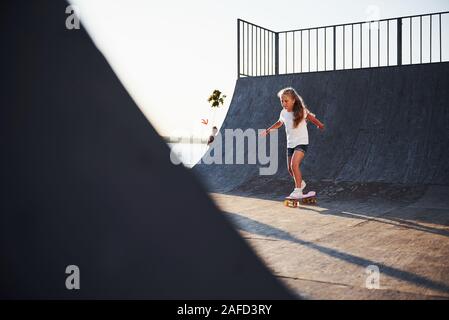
column 327, row 251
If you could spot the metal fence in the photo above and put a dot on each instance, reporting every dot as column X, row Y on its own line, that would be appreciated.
column 388, row 42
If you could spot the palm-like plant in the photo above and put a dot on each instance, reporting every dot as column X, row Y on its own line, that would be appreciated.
column 216, row 98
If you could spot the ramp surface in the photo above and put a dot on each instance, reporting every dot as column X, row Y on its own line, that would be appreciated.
column 384, row 125
column 87, row 181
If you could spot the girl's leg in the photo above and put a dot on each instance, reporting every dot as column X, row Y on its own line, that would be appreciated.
column 296, row 160
column 289, row 167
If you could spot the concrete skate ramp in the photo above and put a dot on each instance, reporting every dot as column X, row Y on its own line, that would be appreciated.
column 86, row 181
column 382, row 125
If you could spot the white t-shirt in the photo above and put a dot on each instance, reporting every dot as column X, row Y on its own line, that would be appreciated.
column 298, row 135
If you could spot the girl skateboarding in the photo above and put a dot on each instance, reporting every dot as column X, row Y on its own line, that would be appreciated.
column 294, row 116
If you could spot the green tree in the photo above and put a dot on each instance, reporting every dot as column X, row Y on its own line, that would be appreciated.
column 216, row 98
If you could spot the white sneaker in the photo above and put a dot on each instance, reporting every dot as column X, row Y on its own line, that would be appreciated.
column 296, row 194
column 303, row 184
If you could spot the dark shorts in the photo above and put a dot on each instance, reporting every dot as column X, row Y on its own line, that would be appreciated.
column 300, row 147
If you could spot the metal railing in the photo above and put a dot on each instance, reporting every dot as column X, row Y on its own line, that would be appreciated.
column 414, row 39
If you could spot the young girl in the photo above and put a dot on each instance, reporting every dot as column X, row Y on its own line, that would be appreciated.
column 294, row 116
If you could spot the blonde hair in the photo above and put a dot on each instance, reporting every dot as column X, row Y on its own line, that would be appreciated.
column 298, row 107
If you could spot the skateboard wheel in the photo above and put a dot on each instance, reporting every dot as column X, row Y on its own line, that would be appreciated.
column 290, row 203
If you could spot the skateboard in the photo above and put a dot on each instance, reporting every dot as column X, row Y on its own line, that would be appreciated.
column 308, row 198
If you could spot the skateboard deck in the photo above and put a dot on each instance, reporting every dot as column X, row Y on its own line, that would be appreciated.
column 308, row 198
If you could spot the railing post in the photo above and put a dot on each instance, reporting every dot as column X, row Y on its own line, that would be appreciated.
column 399, row 44
column 335, row 48
column 238, row 48
column 276, row 53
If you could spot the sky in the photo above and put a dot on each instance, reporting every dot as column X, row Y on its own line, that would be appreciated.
column 171, row 55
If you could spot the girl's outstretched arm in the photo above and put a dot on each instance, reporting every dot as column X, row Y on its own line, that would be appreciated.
column 277, row 125
column 315, row 121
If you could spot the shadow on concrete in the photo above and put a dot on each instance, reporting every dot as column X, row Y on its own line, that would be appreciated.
column 262, row 229
column 379, row 202
column 403, row 223
column 404, row 214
